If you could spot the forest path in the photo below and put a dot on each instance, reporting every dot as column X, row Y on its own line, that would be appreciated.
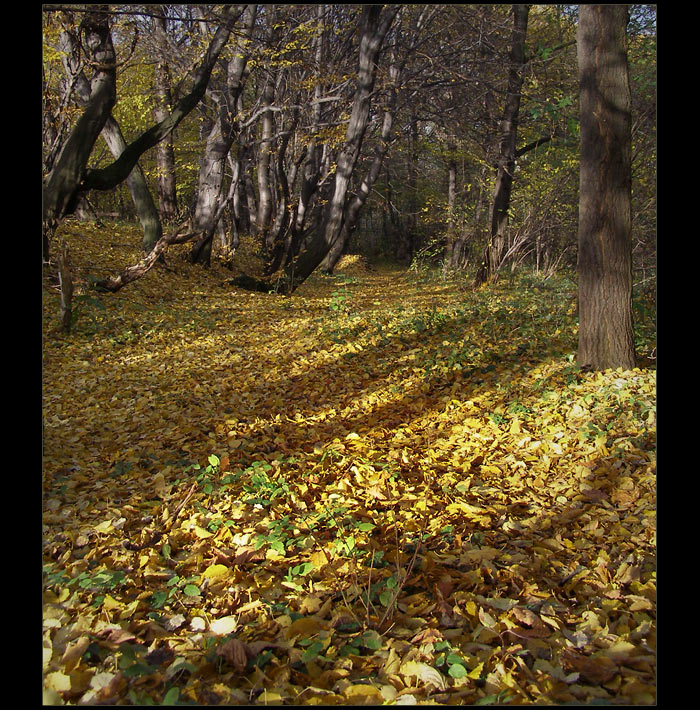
column 216, row 459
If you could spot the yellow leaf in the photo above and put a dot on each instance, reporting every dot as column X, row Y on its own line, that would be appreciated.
column 201, row 533
column 215, row 571
column 110, row 603
column 425, row 673
column 104, row 527
column 476, row 672
column 58, row 681
column 224, row 625
column 272, row 697
column 310, row 604
column 466, row 508
column 305, row 627
column 361, row 694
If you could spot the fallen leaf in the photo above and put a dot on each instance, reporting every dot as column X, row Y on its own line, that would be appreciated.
column 423, row 672
column 234, row 652
column 223, row 626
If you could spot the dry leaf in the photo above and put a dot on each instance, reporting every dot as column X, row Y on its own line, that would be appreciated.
column 234, row 652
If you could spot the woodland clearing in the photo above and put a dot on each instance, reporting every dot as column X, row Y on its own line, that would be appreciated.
column 386, row 488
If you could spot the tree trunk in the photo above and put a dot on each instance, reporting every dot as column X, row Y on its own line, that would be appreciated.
column 112, row 135
column 311, row 170
column 59, row 188
column 496, row 248
column 606, row 335
column 219, row 141
column 264, row 189
column 448, row 257
column 165, row 155
column 375, row 24
column 110, row 176
column 358, row 200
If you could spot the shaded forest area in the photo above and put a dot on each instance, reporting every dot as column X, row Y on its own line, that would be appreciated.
column 329, row 415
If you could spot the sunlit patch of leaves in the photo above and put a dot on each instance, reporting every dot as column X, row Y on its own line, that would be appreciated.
column 415, row 497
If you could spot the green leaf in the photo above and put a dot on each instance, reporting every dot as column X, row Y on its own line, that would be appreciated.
column 158, row 599
column 312, row 651
column 171, row 697
column 372, row 640
column 191, row 590
column 457, row 670
column 214, row 460
column 386, row 597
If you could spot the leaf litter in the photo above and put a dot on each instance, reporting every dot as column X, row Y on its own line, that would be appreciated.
column 383, row 490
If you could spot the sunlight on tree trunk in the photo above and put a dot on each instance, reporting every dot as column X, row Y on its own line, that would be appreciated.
column 606, row 336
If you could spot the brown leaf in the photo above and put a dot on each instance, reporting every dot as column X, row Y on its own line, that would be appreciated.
column 74, row 652
column 594, row 669
column 427, row 636
column 116, row 635
column 532, row 625
column 234, row 653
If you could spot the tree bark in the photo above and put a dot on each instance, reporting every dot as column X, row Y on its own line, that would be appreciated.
column 606, row 335
column 59, row 188
column 358, row 200
column 110, row 176
column 375, row 23
column 264, row 153
column 112, row 135
column 493, row 254
column 165, row 154
column 221, row 136
column 448, row 256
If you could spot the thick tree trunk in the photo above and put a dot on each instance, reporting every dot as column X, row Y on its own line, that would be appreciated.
column 110, row 176
column 312, row 162
column 496, row 248
column 264, row 154
column 358, row 200
column 59, row 188
column 375, row 23
column 219, row 141
column 136, row 182
column 112, row 135
column 606, row 336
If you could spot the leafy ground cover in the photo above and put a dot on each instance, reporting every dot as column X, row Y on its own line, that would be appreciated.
column 385, row 489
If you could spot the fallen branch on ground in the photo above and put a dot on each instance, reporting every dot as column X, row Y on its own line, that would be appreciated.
column 136, row 271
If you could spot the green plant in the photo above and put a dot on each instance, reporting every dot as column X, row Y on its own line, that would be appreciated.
column 264, row 488
column 177, row 585
column 339, row 301
column 449, row 661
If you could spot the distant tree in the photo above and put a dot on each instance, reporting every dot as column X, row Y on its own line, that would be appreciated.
column 167, row 191
column 495, row 250
column 222, row 134
column 606, row 337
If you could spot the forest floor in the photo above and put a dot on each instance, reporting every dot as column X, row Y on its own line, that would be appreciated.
column 387, row 488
